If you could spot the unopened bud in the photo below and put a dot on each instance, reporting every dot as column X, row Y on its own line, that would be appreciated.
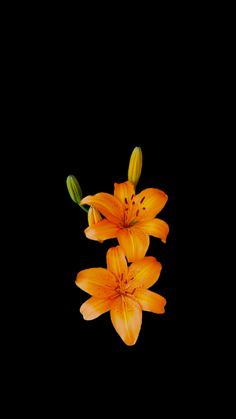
column 74, row 189
column 94, row 216
column 135, row 166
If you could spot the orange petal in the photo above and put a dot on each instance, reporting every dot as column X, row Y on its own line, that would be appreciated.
column 124, row 191
column 156, row 227
column 98, row 282
column 102, row 231
column 144, row 273
column 134, row 242
column 107, row 204
column 94, row 307
column 151, row 201
column 126, row 317
column 116, row 262
column 150, row 301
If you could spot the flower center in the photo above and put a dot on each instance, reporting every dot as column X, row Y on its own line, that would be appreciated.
column 121, row 288
column 133, row 209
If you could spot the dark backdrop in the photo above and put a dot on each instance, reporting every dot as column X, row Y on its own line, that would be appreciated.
column 79, row 105
column 86, row 123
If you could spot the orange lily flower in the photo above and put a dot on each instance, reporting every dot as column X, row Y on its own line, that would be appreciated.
column 129, row 217
column 123, row 291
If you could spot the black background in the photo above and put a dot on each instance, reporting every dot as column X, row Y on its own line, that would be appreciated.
column 93, row 140
column 85, row 120
column 79, row 102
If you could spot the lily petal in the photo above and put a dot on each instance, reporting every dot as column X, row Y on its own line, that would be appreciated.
column 116, row 262
column 144, row 273
column 107, row 204
column 150, row 301
column 156, row 227
column 152, row 201
column 124, row 191
column 98, row 282
column 94, row 307
column 102, row 231
column 134, row 242
column 126, row 317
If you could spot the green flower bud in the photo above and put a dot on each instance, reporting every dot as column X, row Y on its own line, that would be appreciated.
column 74, row 189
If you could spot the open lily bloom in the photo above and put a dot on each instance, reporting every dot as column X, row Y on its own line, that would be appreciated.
column 129, row 217
column 123, row 291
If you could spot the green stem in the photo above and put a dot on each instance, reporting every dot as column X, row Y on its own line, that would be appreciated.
column 83, row 208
